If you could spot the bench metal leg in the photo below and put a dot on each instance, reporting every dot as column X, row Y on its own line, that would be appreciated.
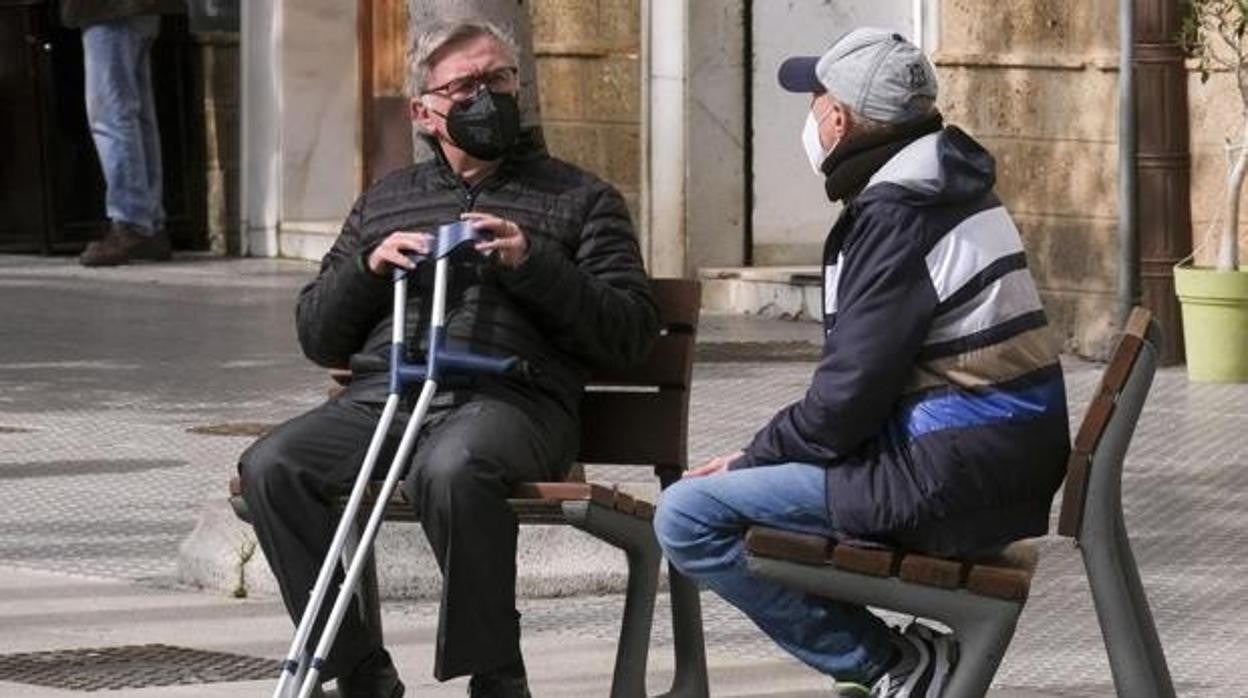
column 982, row 626
column 1136, row 658
column 636, row 538
column 690, row 679
column 982, row 643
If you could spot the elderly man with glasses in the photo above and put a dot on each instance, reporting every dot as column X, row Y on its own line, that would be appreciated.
column 562, row 286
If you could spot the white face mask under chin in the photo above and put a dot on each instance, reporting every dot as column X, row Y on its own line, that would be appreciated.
column 814, row 148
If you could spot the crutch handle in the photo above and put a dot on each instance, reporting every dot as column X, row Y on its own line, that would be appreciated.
column 450, row 237
column 458, row 363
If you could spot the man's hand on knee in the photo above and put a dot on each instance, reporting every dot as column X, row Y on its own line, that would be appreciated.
column 717, row 464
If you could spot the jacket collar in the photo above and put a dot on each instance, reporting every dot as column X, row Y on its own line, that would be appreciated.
column 530, row 145
column 849, row 167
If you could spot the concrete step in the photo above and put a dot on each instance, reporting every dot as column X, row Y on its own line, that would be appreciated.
column 791, row 293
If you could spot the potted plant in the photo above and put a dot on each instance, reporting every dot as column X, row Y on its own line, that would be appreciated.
column 1215, row 299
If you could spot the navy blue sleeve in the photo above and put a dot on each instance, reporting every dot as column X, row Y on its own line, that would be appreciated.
column 885, row 305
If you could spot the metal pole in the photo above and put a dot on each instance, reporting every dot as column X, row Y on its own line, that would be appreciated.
column 1128, row 183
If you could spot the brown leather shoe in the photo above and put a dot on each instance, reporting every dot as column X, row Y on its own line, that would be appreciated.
column 125, row 242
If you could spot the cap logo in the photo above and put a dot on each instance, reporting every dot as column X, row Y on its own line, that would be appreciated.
column 918, row 76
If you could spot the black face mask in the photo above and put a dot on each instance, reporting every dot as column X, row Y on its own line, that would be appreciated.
column 485, row 125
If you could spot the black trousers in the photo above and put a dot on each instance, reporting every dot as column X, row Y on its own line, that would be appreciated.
column 468, row 455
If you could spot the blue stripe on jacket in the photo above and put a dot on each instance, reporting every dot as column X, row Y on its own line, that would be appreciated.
column 1022, row 399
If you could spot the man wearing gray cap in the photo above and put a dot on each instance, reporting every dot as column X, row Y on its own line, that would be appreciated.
column 936, row 419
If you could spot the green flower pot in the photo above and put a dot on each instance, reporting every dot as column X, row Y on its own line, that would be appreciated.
column 1215, row 322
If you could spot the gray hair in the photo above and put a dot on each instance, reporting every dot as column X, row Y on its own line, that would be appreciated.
column 861, row 125
column 428, row 45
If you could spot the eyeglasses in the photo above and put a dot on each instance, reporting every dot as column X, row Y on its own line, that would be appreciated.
column 461, row 88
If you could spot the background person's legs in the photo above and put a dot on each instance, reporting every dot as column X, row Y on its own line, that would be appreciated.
column 701, row 524
column 151, row 131
column 463, row 472
column 122, row 117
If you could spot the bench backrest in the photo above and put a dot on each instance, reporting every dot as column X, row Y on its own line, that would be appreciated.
column 1110, row 420
column 640, row 415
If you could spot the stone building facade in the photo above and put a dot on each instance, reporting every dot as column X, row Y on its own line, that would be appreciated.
column 1035, row 80
column 588, row 55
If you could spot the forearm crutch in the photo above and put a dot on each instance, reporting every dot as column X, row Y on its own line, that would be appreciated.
column 301, row 672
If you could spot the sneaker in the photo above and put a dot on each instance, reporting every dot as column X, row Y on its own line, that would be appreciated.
column 125, row 242
column 510, row 682
column 944, row 655
column 923, row 661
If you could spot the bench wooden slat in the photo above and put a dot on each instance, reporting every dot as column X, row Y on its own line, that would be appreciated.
column 645, row 510
column 538, row 502
column 877, row 562
column 1006, row 576
column 788, row 545
column 565, row 491
column 1097, row 417
column 1094, row 420
column 625, row 503
column 932, row 571
column 1074, row 494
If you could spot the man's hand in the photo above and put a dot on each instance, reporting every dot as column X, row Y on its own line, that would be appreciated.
column 717, row 464
column 392, row 252
column 510, row 242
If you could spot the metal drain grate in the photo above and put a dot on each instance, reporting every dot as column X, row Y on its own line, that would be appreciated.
column 132, row 666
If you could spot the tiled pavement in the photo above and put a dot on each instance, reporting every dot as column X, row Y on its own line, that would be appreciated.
column 102, row 372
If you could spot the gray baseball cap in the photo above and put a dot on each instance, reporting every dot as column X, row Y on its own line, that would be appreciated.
column 875, row 71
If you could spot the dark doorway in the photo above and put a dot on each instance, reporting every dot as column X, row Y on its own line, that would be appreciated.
column 51, row 189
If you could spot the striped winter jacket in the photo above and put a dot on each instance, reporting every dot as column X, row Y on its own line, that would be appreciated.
column 938, row 408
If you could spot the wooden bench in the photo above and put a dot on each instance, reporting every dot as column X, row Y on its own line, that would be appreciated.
column 980, row 599
column 638, row 416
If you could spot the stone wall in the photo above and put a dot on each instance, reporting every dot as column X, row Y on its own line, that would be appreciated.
column 1036, row 82
column 588, row 55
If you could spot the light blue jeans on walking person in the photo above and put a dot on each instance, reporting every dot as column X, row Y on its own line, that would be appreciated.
column 122, row 115
column 701, row 524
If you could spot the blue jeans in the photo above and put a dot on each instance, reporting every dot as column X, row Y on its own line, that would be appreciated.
column 701, row 524
column 122, row 117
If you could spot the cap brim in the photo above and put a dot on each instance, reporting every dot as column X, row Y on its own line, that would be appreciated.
column 797, row 74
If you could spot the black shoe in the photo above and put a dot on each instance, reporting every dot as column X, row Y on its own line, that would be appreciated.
column 509, row 682
column 374, row 677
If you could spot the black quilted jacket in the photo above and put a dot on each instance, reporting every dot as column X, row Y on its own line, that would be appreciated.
column 579, row 300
